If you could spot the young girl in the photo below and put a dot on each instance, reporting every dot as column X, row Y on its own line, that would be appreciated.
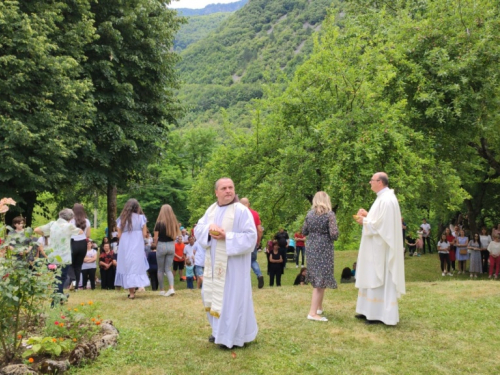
column 451, row 239
column 475, row 265
column 444, row 255
column 494, row 249
column 275, row 266
column 301, row 277
column 461, row 243
column 419, row 244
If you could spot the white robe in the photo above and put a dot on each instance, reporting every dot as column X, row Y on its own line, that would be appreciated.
column 380, row 266
column 237, row 324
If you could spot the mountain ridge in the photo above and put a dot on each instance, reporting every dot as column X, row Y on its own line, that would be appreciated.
column 212, row 8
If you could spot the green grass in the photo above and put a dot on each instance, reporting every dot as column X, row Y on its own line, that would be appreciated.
column 447, row 326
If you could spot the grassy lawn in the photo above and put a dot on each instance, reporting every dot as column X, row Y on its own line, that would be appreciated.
column 448, row 325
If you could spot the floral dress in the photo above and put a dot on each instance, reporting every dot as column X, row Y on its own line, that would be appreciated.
column 321, row 231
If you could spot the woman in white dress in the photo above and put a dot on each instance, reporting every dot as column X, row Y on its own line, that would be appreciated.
column 132, row 264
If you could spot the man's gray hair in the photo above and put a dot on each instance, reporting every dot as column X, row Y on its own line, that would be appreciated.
column 66, row 214
column 385, row 179
column 220, row 179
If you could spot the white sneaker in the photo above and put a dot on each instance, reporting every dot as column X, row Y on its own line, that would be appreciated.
column 443, row 274
column 450, row 274
column 169, row 293
column 296, row 266
column 162, row 293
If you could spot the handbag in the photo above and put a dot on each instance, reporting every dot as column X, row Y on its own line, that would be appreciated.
column 463, row 252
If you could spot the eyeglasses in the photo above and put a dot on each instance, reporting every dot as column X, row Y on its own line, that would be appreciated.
column 373, row 180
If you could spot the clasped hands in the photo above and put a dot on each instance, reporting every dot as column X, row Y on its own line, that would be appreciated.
column 360, row 215
column 217, row 232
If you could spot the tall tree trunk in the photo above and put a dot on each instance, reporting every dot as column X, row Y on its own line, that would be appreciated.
column 111, row 203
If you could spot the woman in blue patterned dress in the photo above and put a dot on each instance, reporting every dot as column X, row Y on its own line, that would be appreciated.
column 320, row 227
column 461, row 243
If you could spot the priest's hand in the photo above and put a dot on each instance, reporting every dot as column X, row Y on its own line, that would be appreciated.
column 220, row 236
column 362, row 212
column 216, row 232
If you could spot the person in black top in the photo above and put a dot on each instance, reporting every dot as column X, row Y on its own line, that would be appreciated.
column 283, row 239
column 412, row 243
column 153, row 268
column 165, row 231
column 275, row 268
column 301, row 277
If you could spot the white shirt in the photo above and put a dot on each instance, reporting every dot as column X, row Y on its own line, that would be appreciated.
column 82, row 236
column 443, row 247
column 485, row 241
column 88, row 266
column 427, row 228
column 494, row 248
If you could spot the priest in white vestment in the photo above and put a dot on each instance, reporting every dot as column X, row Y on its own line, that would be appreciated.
column 227, row 231
column 380, row 275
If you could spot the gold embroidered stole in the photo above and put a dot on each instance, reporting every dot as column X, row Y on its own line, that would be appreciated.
column 214, row 281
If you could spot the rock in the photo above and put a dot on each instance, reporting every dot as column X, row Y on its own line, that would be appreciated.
column 83, row 352
column 17, row 370
column 50, row 366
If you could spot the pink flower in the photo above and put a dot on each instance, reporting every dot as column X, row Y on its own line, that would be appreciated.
column 52, row 267
column 56, row 323
column 63, row 317
column 10, row 201
column 3, row 209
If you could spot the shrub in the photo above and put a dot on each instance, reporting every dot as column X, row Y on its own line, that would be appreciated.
column 26, row 288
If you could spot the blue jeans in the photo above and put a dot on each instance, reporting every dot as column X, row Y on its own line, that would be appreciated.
column 254, row 264
column 189, row 282
column 60, row 283
column 298, row 250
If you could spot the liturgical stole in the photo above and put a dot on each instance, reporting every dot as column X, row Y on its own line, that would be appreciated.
column 214, row 281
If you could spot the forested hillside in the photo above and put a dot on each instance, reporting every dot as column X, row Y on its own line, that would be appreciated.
column 212, row 8
column 260, row 42
column 410, row 88
column 197, row 28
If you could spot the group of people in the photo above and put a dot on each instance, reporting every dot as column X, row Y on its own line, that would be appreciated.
column 221, row 252
column 458, row 245
column 481, row 250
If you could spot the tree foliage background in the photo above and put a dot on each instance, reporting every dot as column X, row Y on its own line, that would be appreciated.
column 407, row 87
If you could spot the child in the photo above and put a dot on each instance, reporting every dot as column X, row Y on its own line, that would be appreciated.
column 301, row 277
column 275, row 266
column 444, row 255
column 411, row 242
column 419, row 244
column 153, row 267
column 494, row 249
column 189, row 273
column 346, row 276
column 475, row 265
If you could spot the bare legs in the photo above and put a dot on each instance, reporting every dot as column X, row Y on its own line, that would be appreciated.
column 316, row 302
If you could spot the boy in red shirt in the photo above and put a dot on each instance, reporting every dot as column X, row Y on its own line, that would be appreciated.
column 299, row 247
column 179, row 257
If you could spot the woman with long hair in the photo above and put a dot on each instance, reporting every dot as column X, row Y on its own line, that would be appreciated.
column 131, row 263
column 79, row 241
column 320, row 227
column 461, row 244
column 165, row 232
column 475, row 265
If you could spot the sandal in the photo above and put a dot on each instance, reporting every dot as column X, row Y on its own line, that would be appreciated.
column 131, row 296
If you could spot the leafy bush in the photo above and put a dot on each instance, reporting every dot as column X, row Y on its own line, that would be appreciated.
column 26, row 287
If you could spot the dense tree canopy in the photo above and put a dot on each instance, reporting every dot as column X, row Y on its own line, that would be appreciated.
column 45, row 106
column 410, row 88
